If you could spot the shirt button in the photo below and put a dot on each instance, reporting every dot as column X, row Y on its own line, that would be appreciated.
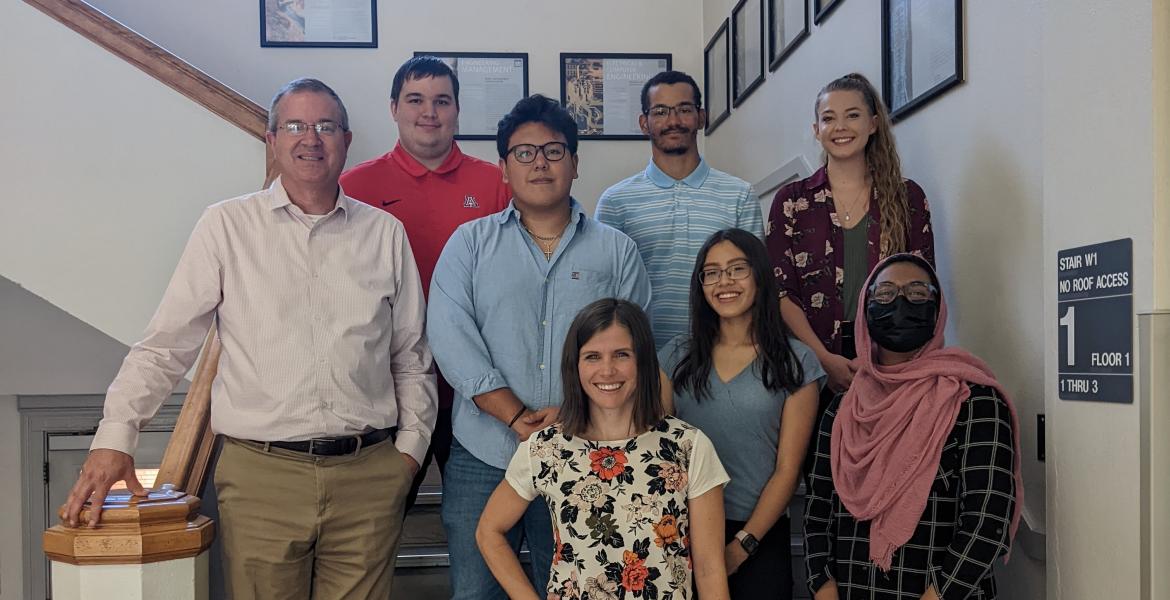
column 321, row 360
column 544, row 323
column 542, row 366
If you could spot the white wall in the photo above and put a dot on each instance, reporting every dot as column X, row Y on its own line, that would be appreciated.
column 976, row 151
column 105, row 172
column 1104, row 153
column 221, row 37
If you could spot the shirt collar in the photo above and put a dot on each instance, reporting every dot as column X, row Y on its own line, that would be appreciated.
column 576, row 212
column 820, row 178
column 416, row 169
column 695, row 180
column 278, row 198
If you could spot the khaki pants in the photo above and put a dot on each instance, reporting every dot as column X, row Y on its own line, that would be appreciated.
column 296, row 526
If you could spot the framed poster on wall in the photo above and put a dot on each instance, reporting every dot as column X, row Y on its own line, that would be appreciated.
column 319, row 23
column 787, row 28
column 747, row 49
column 603, row 91
column 490, row 84
column 922, row 52
column 716, row 80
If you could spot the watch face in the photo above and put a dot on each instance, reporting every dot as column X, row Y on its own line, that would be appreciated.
column 750, row 544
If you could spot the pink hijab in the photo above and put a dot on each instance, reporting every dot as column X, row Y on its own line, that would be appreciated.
column 893, row 423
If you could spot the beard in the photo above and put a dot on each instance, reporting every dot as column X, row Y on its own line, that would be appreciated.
column 676, row 148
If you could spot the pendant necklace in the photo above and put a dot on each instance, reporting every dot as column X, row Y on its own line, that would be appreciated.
column 547, row 244
column 857, row 203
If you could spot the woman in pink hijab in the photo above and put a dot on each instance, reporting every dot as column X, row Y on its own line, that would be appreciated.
column 915, row 486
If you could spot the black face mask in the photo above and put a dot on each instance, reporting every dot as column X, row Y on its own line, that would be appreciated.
column 901, row 326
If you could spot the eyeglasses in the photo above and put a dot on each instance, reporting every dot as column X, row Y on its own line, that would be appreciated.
column 916, row 292
column 526, row 153
column 735, row 272
column 299, row 128
column 685, row 110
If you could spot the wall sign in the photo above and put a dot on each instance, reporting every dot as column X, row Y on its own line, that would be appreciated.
column 1095, row 310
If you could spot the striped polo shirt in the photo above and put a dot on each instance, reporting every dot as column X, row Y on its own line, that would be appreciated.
column 669, row 219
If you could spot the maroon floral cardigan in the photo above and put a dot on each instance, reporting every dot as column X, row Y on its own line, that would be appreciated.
column 806, row 244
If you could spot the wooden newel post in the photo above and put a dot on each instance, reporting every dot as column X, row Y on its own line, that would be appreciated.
column 145, row 548
column 155, row 546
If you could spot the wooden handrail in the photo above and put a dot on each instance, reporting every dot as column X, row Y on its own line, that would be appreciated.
column 158, row 63
column 189, row 450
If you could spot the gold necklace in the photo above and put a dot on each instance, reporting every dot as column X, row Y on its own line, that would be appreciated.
column 547, row 249
column 857, row 203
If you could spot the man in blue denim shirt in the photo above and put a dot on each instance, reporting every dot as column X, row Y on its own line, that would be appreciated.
column 504, row 292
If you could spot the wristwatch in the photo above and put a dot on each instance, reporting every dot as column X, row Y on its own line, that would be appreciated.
column 748, row 541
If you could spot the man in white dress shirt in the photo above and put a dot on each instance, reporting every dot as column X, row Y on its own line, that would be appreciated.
column 325, row 391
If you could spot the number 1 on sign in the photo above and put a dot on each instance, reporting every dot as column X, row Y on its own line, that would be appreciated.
column 1069, row 321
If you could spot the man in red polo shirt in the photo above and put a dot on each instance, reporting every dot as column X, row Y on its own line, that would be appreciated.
column 431, row 186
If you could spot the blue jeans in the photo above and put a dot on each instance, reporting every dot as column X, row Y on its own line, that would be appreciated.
column 467, row 485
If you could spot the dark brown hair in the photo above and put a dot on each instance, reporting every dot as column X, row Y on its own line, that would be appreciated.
column 594, row 318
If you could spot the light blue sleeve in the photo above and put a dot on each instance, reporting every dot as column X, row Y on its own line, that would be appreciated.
column 671, row 354
column 750, row 215
column 634, row 284
column 608, row 211
column 813, row 371
column 452, row 331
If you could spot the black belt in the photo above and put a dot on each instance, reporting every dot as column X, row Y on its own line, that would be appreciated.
column 336, row 446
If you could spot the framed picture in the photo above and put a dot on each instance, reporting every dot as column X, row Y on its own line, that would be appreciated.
column 319, row 23
column 787, row 28
column 490, row 84
column 747, row 49
column 603, row 91
column 822, row 8
column 922, row 52
column 716, row 83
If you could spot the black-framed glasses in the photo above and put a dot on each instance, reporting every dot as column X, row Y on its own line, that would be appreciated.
column 686, row 110
column 916, row 292
column 299, row 128
column 526, row 153
column 712, row 275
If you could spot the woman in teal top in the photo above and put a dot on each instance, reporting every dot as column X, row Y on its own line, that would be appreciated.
column 752, row 388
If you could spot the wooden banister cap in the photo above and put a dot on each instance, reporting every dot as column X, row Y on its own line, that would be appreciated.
column 165, row 525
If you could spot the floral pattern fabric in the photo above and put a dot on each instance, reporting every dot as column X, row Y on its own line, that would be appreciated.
column 806, row 243
column 619, row 508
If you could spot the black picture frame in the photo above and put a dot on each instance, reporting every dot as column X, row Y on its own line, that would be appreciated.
column 778, row 51
column 717, row 74
column 489, row 133
column 741, row 90
column 823, row 8
column 586, row 111
column 901, row 107
column 270, row 9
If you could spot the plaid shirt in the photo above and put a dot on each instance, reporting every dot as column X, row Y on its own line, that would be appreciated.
column 964, row 528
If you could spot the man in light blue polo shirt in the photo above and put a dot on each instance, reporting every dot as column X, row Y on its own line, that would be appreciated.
column 503, row 294
column 671, row 207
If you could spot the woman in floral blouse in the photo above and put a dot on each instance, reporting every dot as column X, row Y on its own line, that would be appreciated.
column 826, row 232
column 636, row 497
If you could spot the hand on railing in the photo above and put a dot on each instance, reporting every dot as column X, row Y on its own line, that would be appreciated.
column 103, row 468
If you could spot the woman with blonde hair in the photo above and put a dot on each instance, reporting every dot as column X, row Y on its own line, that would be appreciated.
column 826, row 232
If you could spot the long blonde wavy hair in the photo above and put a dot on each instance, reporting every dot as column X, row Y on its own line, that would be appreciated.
column 884, row 166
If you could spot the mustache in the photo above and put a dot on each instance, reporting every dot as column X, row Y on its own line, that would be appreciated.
column 671, row 130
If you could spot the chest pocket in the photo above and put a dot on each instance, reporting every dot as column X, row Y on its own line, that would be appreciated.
column 946, row 480
column 576, row 288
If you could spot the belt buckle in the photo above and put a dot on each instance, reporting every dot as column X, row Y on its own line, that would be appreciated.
column 323, row 442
